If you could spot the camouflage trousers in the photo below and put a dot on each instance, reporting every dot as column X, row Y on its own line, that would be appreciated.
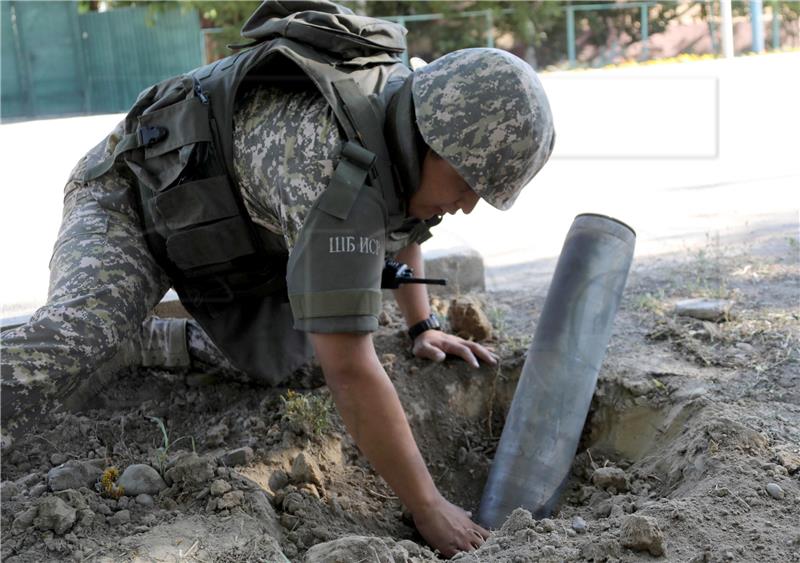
column 104, row 283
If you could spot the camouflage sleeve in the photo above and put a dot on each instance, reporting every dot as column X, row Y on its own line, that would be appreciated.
column 334, row 270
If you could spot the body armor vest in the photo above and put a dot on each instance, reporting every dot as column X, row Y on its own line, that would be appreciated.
column 228, row 271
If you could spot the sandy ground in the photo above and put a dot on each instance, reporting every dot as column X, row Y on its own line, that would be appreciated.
column 691, row 450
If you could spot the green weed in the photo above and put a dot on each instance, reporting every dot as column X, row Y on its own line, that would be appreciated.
column 307, row 413
column 166, row 444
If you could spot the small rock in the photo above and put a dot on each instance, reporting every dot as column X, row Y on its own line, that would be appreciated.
column 141, row 479
column 191, row 471
column 8, row 490
column 240, row 456
column 219, row 488
column 641, row 533
column 24, row 519
column 519, row 519
column 58, row 459
column 169, row 504
column 229, row 500
column 38, row 490
column 384, row 319
column 73, row 475
column 216, row 435
column 310, row 489
column 119, row 518
column 123, row 502
column 144, row 500
column 713, row 310
column 103, row 509
column 547, row 525
column 775, row 491
column 306, row 470
column 610, row 477
column 579, row 524
column 278, row 480
column 29, row 480
column 73, row 498
column 468, row 320
column 788, row 459
column 616, row 511
column 55, row 514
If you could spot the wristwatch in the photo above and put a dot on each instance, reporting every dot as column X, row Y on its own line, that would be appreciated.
column 431, row 323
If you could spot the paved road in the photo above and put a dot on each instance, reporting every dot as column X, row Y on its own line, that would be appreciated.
column 680, row 152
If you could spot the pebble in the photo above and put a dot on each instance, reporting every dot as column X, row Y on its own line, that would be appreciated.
column 121, row 517
column 775, row 491
column 467, row 319
column 240, row 456
column 141, row 479
column 29, row 480
column 24, row 519
column 306, row 470
column 55, row 514
column 8, row 490
column 610, row 477
column 144, row 500
column 229, row 500
column 58, row 459
column 641, row 533
column 191, row 470
column 73, row 475
column 579, row 524
column 547, row 525
column 278, row 480
column 216, row 435
column 38, row 490
column 219, row 488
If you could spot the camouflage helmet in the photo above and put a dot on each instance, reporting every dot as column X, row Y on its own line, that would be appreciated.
column 486, row 113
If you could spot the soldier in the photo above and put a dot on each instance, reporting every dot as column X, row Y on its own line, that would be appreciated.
column 309, row 176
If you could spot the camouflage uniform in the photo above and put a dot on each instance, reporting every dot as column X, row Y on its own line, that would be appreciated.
column 104, row 280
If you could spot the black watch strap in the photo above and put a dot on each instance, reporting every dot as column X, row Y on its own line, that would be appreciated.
column 431, row 323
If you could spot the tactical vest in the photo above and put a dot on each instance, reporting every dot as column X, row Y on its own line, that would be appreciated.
column 178, row 143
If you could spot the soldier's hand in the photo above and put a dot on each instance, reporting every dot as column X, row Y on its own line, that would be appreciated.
column 448, row 528
column 435, row 345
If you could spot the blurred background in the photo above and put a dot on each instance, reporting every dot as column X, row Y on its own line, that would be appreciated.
column 88, row 57
column 679, row 118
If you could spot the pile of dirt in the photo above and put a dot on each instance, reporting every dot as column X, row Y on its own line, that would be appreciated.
column 691, row 451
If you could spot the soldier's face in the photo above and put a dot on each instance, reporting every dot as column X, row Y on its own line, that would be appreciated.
column 441, row 190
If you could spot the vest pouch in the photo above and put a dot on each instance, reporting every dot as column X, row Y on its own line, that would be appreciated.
column 205, row 246
column 184, row 127
column 194, row 203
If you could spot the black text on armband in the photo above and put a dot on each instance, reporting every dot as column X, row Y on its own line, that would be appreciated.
column 353, row 245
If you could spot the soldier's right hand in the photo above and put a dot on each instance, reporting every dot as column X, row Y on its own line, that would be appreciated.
column 448, row 528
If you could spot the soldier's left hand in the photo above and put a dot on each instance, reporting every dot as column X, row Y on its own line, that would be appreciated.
column 435, row 345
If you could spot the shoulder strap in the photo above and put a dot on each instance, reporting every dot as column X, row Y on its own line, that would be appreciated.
column 363, row 125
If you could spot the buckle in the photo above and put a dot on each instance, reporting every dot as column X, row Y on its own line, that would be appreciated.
column 149, row 136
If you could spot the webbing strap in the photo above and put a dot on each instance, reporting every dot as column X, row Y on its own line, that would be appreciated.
column 348, row 177
column 363, row 116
